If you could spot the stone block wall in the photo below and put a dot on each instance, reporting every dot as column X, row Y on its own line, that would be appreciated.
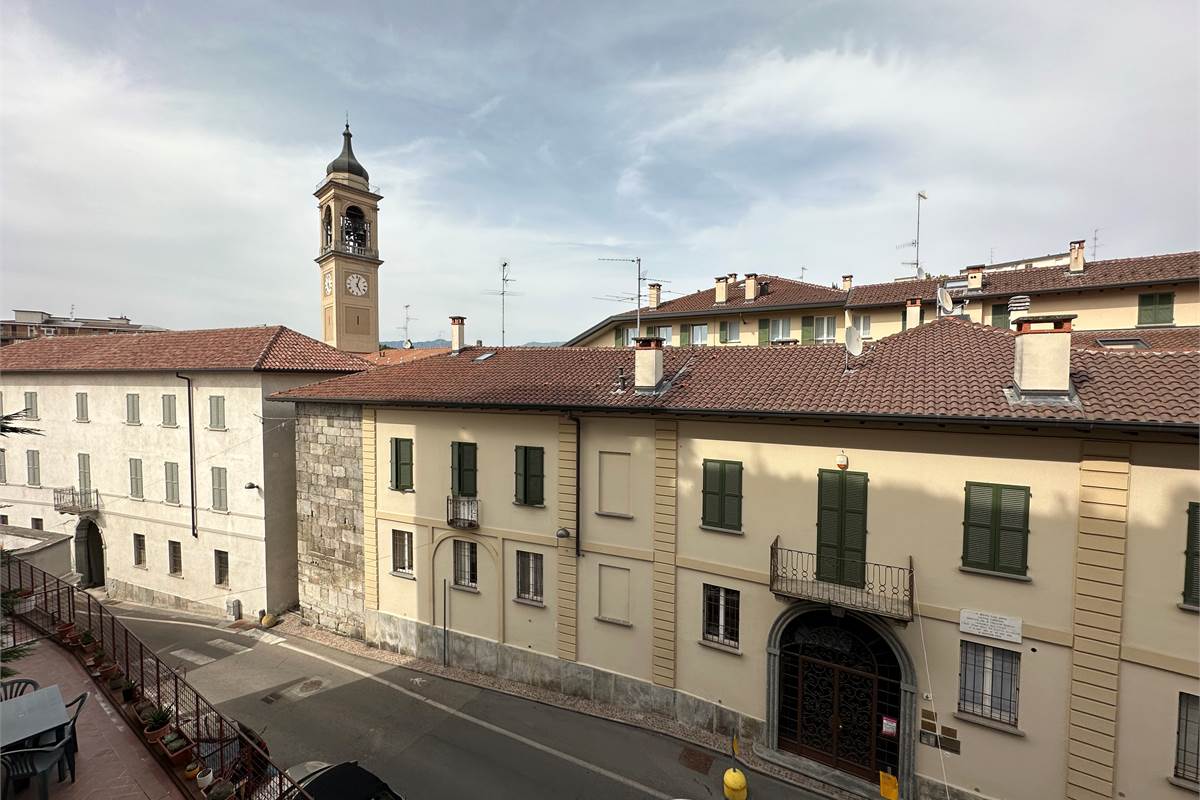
column 329, row 516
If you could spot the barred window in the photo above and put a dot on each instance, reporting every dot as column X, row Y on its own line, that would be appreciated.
column 402, row 551
column 175, row 558
column 139, row 550
column 722, row 615
column 529, row 576
column 1187, row 738
column 989, row 682
column 466, row 564
column 221, row 567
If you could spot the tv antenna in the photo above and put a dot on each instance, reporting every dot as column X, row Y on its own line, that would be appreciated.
column 1095, row 243
column 854, row 346
column 503, row 293
column 407, row 344
column 916, row 243
column 802, row 271
column 641, row 278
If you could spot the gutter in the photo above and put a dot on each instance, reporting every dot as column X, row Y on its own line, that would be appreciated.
column 191, row 454
column 578, row 483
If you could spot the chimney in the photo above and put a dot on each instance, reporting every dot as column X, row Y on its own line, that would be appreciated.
column 655, row 294
column 647, row 364
column 722, row 294
column 733, row 277
column 751, row 286
column 1076, row 257
column 1042, row 363
column 847, row 282
column 912, row 313
column 457, row 333
column 975, row 278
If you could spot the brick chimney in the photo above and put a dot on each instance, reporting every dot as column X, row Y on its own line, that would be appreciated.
column 1076, row 257
column 457, row 333
column 1042, row 364
column 655, row 294
column 647, row 364
column 912, row 313
column 722, row 293
column 975, row 277
column 751, row 286
column 847, row 282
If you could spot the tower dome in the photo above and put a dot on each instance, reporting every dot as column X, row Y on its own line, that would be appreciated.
column 346, row 162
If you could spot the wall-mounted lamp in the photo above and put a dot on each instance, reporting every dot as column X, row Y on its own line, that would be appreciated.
column 562, row 533
column 253, row 485
column 842, row 460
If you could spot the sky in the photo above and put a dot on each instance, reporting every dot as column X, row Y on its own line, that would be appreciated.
column 158, row 159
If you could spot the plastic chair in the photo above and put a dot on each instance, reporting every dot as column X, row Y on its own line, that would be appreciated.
column 50, row 738
column 36, row 762
column 17, row 687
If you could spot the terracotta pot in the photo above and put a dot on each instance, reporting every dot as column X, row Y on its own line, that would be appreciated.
column 156, row 734
column 88, row 648
column 192, row 770
column 64, row 629
column 181, row 756
column 107, row 670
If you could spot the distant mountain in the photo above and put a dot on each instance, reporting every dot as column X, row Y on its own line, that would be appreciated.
column 399, row 343
column 542, row 344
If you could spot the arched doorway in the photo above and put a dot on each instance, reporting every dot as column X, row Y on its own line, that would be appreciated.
column 89, row 554
column 841, row 692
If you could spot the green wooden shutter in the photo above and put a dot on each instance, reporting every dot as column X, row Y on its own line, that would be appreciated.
column 467, row 463
column 1147, row 314
column 731, row 495
column 395, row 465
column 519, row 475
column 618, row 336
column 807, row 334
column 829, row 519
column 1011, row 528
column 854, row 528
column 764, row 331
column 535, row 476
column 977, row 526
column 1165, row 308
column 1191, row 579
column 723, row 332
column 1000, row 315
column 454, row 468
column 685, row 335
column 405, row 470
column 711, row 507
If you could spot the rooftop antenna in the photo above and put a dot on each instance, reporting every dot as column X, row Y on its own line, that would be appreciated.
column 917, row 242
column 641, row 278
column 802, row 271
column 854, row 346
column 992, row 255
column 504, row 292
column 1095, row 243
column 407, row 319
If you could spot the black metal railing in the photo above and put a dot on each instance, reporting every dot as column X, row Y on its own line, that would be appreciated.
column 76, row 501
column 462, row 512
column 352, row 249
column 881, row 589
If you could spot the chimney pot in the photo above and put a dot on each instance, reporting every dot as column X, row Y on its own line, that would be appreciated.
column 751, row 286
column 1077, row 250
column 974, row 278
column 722, row 290
column 655, row 295
column 847, row 282
column 1042, row 356
column 457, row 333
column 647, row 364
column 733, row 277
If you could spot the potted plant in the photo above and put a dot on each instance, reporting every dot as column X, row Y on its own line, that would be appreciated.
column 107, row 669
column 220, row 790
column 177, row 746
column 64, row 628
column 143, row 708
column 158, row 722
column 116, row 683
column 204, row 778
column 87, row 641
column 130, row 691
column 193, row 769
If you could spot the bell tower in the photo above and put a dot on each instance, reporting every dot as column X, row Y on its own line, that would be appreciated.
column 349, row 261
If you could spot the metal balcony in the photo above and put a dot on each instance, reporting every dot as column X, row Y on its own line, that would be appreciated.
column 76, row 501
column 462, row 512
column 880, row 589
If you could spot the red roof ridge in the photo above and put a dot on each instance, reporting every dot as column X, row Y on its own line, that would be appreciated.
column 262, row 357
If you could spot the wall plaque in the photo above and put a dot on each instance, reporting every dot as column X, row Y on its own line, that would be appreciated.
column 989, row 625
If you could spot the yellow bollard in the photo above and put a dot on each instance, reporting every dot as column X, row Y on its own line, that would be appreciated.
column 735, row 784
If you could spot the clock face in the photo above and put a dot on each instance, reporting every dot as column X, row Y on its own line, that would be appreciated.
column 328, row 283
column 356, row 285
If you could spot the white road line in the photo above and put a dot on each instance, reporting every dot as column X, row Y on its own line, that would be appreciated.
column 228, row 646
column 454, row 712
column 192, row 656
column 262, row 636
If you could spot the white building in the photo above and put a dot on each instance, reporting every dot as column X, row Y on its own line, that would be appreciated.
column 162, row 455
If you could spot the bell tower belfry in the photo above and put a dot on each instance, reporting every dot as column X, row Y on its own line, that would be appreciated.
column 349, row 254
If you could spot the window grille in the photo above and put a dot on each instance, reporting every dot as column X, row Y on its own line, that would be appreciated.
column 721, row 615
column 466, row 564
column 989, row 682
column 529, row 576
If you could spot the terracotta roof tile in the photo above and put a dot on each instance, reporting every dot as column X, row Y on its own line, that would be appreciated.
column 261, row 349
column 1175, row 339
column 781, row 292
column 403, row 356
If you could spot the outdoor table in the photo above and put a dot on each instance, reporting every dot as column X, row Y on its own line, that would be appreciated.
column 30, row 715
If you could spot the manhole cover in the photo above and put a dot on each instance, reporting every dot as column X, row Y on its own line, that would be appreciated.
column 696, row 760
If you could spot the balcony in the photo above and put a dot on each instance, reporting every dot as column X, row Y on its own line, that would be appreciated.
column 880, row 589
column 352, row 249
column 76, row 501
column 462, row 512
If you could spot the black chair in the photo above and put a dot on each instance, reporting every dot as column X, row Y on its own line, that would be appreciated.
column 35, row 762
column 50, row 738
column 17, row 687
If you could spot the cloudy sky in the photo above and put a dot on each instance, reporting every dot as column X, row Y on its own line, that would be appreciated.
column 158, row 159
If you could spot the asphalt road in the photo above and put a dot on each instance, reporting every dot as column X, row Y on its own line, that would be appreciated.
column 426, row 736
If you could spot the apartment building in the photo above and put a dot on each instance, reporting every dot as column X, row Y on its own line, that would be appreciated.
column 1129, row 294
column 34, row 324
column 165, row 458
column 967, row 558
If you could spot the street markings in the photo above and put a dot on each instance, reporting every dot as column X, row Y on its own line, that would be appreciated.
column 262, row 636
column 228, row 646
column 198, row 659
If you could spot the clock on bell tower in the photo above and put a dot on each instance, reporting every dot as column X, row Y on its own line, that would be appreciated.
column 349, row 254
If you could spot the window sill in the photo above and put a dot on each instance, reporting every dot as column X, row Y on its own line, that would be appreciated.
column 1155, row 325
column 1195, row 609
column 529, row 505
column 169, row 503
column 165, row 425
column 142, row 567
column 136, row 499
column 398, row 573
column 221, row 586
column 724, row 648
column 988, row 723
column 467, row 589
column 993, row 574
column 624, row 623
column 1184, row 783
column 132, row 424
column 525, row 601
column 402, row 491
column 83, row 420
column 218, row 510
column 615, row 514
column 726, row 531
column 176, row 575
column 217, row 430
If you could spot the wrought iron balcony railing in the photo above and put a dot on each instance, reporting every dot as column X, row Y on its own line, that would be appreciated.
column 352, row 249
column 76, row 501
column 462, row 512
column 846, row 582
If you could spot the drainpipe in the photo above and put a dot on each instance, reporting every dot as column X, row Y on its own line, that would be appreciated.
column 191, row 454
column 578, row 479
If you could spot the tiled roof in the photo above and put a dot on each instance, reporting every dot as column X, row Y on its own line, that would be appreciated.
column 1176, row 339
column 404, row 355
column 894, row 293
column 945, row 369
column 781, row 292
column 263, row 349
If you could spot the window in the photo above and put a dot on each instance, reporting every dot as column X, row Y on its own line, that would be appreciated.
column 824, row 330
column 722, row 505
column 85, row 472
column 139, row 550
column 530, row 476
column 220, row 493
column 1187, row 738
column 33, row 468
column 81, row 407
column 402, row 551
column 996, row 528
column 31, row 405
column 1155, row 309
column 1000, row 315
column 863, row 323
column 988, row 682
column 466, row 564
column 729, row 331
column 174, row 559
column 402, row 465
column 36, row 523
column 3, row 465
column 661, row 331
column 168, row 411
column 614, row 594
column 462, row 469
column 614, row 494
column 693, row 335
column 216, row 412
column 781, row 329
column 135, row 478
column 221, row 568
column 1191, row 576
column 171, row 482
column 133, row 409
column 623, row 336
column 529, row 576
column 3, row 519
column 721, row 615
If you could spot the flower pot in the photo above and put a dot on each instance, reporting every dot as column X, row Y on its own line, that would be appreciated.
column 204, row 778
column 155, row 734
column 221, row 790
column 64, row 629
column 131, row 694
column 192, row 770
column 90, row 647
column 181, row 755
column 106, row 670
column 24, row 604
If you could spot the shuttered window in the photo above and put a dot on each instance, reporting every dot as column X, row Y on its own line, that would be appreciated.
column 168, row 411
column 685, row 335
column 31, row 405
column 3, row 465
column 220, row 490
column 730, row 331
column 135, row 478
column 722, row 504
column 841, row 526
column 33, row 468
column 996, row 528
column 85, row 472
column 764, row 331
column 139, row 550
column 171, row 482
column 530, row 476
column 1000, row 315
column 81, row 407
column 462, row 469
column 402, row 465
column 1157, row 308
column 1191, row 578
column 133, row 409
column 216, row 412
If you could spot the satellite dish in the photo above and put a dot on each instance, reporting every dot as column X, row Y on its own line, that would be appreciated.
column 407, row 344
column 854, row 344
column 945, row 301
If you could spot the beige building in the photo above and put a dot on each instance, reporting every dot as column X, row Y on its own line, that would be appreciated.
column 165, row 458
column 27, row 324
column 966, row 558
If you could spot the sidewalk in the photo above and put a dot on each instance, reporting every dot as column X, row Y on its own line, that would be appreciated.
column 113, row 763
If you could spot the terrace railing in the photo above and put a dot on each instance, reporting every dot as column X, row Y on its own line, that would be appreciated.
column 881, row 589
column 462, row 512
column 76, row 501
